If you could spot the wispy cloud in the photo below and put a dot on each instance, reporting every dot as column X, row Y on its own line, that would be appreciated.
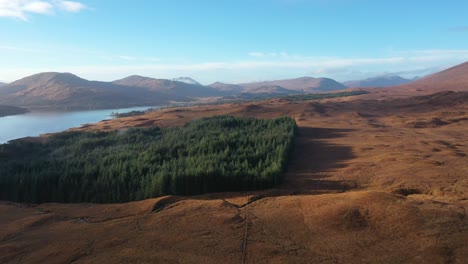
column 71, row 6
column 21, row 9
column 39, row 7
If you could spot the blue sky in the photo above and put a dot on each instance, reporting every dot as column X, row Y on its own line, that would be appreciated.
column 231, row 41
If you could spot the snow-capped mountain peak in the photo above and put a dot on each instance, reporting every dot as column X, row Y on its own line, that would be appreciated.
column 186, row 80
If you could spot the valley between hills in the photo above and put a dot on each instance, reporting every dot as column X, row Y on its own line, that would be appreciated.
column 374, row 178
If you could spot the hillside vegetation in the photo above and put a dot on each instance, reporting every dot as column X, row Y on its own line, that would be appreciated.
column 207, row 155
column 307, row 97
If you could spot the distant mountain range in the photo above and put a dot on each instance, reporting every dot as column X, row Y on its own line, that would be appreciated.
column 67, row 91
column 379, row 81
column 52, row 90
column 304, row 84
column 174, row 89
column 2, row 84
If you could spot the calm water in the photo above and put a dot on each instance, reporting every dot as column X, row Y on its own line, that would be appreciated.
column 36, row 123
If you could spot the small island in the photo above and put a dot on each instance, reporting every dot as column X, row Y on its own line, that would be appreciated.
column 131, row 113
column 6, row 110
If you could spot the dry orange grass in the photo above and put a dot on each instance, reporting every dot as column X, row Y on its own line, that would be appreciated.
column 370, row 182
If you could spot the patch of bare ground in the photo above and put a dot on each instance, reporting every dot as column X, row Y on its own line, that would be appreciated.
column 363, row 186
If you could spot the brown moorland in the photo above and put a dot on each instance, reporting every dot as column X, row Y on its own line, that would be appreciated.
column 371, row 181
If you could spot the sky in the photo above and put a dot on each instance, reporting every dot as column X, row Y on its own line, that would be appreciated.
column 231, row 41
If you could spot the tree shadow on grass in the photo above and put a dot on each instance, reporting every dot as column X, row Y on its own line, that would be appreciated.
column 314, row 158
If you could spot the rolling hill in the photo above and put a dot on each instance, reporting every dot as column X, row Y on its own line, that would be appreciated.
column 2, row 84
column 380, row 81
column 260, row 93
column 271, row 89
column 304, row 84
column 175, row 89
column 226, row 87
column 66, row 91
column 452, row 79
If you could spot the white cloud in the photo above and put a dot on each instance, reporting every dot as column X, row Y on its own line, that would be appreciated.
column 39, row 7
column 71, row 6
column 20, row 9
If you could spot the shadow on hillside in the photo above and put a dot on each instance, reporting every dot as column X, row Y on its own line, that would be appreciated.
column 313, row 157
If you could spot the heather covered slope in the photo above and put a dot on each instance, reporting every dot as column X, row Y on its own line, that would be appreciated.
column 452, row 79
